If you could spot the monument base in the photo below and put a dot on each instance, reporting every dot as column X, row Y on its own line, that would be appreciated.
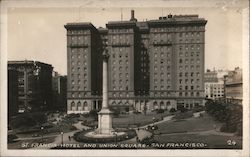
column 105, row 122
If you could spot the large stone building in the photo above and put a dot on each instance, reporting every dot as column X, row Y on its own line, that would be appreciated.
column 34, row 85
column 153, row 64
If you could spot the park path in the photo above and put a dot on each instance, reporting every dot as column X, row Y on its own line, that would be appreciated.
column 142, row 133
column 58, row 140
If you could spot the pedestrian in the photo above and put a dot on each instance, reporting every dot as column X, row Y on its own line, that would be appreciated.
column 69, row 138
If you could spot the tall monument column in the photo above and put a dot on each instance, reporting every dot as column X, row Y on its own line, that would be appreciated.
column 105, row 115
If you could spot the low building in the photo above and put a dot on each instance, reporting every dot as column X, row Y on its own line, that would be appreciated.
column 34, row 85
column 214, row 84
column 234, row 86
column 59, row 88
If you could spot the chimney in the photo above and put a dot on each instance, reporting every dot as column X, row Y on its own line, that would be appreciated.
column 133, row 16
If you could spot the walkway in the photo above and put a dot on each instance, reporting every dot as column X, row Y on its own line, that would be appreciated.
column 66, row 139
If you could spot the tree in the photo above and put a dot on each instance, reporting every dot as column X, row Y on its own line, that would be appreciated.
column 94, row 114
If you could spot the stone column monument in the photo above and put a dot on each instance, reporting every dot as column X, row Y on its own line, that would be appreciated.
column 105, row 115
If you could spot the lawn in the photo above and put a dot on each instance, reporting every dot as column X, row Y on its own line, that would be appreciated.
column 188, row 125
column 132, row 120
column 181, row 127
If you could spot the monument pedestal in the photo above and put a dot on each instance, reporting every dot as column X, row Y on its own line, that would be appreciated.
column 105, row 122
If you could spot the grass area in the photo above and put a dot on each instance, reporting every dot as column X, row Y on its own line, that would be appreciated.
column 26, row 144
column 211, row 141
column 137, row 119
column 188, row 125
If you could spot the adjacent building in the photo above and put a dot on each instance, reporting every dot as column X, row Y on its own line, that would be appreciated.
column 59, row 89
column 34, row 85
column 214, row 84
column 153, row 64
column 233, row 86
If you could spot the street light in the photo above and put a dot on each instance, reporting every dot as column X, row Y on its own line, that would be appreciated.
column 153, row 121
column 62, row 137
column 42, row 132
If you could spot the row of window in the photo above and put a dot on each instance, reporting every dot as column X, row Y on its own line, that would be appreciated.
column 161, row 54
column 114, row 68
column 161, row 75
column 120, row 74
column 192, row 54
column 189, row 87
column 78, row 31
column 162, row 48
column 214, row 95
column 189, row 47
column 189, row 40
column 121, row 30
column 189, row 94
column 162, row 87
column 78, row 40
column 162, row 81
column 184, row 28
column 162, row 68
column 187, row 67
column 73, row 82
column 120, row 87
column 78, row 68
column 192, row 74
column 187, row 61
column 114, row 62
column 192, row 81
column 79, row 95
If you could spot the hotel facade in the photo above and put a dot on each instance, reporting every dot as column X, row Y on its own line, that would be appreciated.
column 156, row 64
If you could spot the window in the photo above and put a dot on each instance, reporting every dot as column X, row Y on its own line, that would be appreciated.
column 180, row 81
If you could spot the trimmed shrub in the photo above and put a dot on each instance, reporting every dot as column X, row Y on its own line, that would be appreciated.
column 172, row 110
column 11, row 138
column 80, row 137
column 160, row 111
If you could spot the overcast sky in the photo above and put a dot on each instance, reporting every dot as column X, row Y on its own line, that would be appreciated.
column 39, row 33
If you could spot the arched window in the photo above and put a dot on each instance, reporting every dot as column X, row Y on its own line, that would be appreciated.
column 78, row 105
column 168, row 103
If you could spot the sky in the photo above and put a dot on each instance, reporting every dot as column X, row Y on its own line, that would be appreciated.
column 39, row 33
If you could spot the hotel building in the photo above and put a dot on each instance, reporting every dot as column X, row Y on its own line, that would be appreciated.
column 153, row 64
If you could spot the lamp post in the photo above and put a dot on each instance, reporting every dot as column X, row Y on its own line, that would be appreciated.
column 42, row 132
column 62, row 137
column 153, row 121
